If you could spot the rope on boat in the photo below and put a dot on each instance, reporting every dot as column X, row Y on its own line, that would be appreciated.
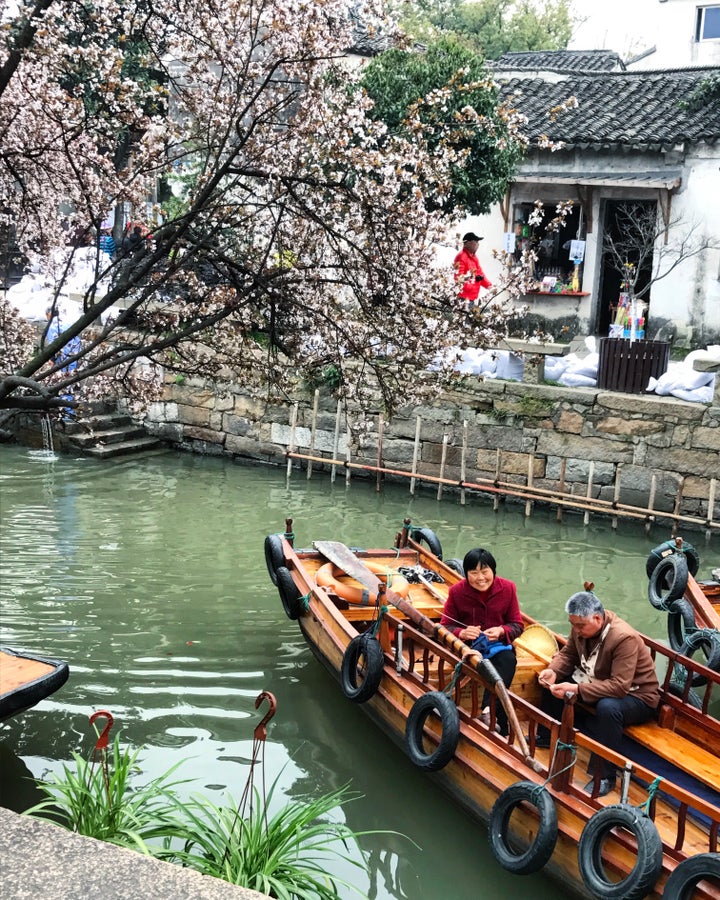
column 454, row 680
column 305, row 602
column 652, row 790
column 559, row 746
column 373, row 630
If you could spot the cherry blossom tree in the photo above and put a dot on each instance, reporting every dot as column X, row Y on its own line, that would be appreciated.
column 285, row 232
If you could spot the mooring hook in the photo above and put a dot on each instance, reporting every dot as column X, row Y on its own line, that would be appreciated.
column 102, row 742
column 260, row 732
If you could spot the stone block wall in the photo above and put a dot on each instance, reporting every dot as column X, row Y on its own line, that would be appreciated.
column 664, row 452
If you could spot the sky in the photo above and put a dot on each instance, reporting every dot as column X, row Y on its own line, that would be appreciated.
column 620, row 25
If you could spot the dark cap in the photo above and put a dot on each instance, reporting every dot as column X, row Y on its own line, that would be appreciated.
column 471, row 236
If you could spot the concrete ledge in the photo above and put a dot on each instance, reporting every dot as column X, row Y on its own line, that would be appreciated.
column 38, row 859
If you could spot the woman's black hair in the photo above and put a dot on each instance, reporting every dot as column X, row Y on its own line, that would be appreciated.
column 478, row 557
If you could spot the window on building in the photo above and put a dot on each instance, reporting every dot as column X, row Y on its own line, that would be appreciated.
column 708, row 23
column 552, row 249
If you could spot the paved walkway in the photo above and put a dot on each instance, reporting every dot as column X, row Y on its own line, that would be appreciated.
column 39, row 860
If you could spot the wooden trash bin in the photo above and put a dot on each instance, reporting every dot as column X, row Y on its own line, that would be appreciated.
column 627, row 366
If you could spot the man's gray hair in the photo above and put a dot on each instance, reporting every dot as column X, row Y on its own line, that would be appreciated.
column 585, row 605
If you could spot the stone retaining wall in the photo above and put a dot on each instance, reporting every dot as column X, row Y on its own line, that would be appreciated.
column 507, row 428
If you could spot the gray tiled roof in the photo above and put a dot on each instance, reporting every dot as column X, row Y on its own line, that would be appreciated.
column 632, row 110
column 560, row 61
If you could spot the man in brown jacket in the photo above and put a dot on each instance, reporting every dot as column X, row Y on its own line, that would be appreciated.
column 608, row 666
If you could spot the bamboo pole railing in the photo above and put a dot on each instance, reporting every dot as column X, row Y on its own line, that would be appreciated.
column 563, row 499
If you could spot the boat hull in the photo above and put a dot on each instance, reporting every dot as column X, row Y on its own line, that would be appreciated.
column 26, row 679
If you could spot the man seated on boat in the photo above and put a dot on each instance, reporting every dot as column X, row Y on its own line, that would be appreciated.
column 606, row 664
column 483, row 611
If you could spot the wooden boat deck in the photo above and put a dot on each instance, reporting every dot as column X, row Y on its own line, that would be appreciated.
column 16, row 671
column 26, row 679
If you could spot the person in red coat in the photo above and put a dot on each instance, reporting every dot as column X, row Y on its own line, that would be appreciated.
column 483, row 610
column 468, row 272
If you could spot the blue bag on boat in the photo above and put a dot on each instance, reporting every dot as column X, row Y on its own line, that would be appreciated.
column 487, row 647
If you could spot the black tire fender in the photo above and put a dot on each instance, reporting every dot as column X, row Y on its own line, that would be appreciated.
column 681, row 621
column 541, row 849
column 456, row 565
column 360, row 683
column 663, row 550
column 668, row 581
column 433, row 701
column 648, row 865
column 707, row 640
column 431, row 539
column 289, row 592
column 274, row 557
column 682, row 881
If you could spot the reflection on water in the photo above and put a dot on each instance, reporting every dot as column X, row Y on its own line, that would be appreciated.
column 148, row 577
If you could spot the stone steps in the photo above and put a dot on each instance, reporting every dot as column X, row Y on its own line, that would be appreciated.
column 104, row 432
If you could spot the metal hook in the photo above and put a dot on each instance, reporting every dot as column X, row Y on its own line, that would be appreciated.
column 260, row 732
column 102, row 741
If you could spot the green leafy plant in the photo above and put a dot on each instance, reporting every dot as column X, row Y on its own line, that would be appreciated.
column 99, row 801
column 284, row 856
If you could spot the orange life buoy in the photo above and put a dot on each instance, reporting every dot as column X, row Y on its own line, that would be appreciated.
column 354, row 593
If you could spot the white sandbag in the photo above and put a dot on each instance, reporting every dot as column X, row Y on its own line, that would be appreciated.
column 587, row 366
column 475, row 361
column 572, row 379
column 699, row 395
column 554, row 367
column 682, row 378
column 510, row 366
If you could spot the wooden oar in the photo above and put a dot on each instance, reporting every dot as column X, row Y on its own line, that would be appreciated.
column 341, row 556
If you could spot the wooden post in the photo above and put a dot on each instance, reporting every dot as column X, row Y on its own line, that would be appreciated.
column 616, row 493
column 588, row 495
column 677, row 507
column 443, row 459
column 651, row 502
column 529, row 503
column 348, row 437
column 416, row 451
column 462, row 461
column 313, row 430
column 293, row 429
column 711, row 499
column 498, row 463
column 336, row 441
column 381, row 425
column 563, row 469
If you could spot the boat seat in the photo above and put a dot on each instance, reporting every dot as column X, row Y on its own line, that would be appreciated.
column 679, row 751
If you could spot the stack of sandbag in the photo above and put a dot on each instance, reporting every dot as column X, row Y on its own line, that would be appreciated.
column 683, row 382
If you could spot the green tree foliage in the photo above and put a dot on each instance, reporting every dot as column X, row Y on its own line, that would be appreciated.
column 447, row 87
column 494, row 27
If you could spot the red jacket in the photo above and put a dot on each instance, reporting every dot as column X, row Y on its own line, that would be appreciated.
column 498, row 606
column 469, row 263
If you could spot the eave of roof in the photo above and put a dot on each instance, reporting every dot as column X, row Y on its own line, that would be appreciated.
column 670, row 179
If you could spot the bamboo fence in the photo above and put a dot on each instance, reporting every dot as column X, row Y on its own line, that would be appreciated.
column 499, row 488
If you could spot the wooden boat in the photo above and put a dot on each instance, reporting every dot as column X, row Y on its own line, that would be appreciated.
column 379, row 635
column 26, row 679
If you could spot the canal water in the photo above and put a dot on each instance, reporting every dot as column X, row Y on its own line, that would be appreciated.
column 148, row 576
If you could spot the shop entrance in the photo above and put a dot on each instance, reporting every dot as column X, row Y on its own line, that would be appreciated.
column 629, row 228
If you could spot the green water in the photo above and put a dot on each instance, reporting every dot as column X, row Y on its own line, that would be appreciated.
column 148, row 577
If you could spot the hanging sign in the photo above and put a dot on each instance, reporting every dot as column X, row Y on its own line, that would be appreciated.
column 577, row 251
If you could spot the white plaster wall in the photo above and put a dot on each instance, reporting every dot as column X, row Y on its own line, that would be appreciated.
column 692, row 291
column 631, row 27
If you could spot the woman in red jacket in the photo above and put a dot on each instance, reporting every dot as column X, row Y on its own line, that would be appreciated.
column 483, row 610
